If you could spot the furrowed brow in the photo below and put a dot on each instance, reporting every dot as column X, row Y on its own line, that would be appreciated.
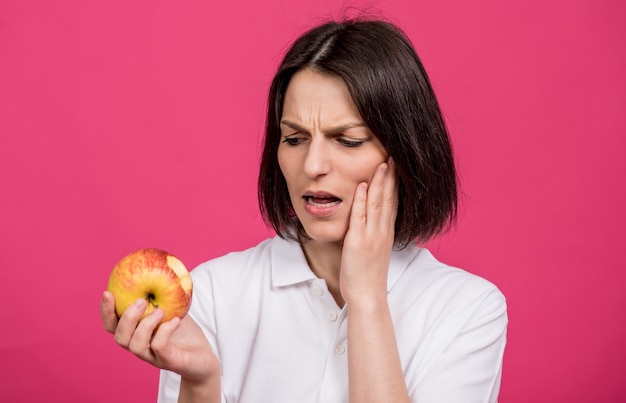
column 343, row 128
column 330, row 130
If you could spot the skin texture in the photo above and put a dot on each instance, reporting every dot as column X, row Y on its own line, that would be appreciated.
column 325, row 150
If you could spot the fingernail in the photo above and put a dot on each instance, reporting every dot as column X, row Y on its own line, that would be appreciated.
column 140, row 303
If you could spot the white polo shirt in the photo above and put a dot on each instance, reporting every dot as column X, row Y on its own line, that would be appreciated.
column 281, row 338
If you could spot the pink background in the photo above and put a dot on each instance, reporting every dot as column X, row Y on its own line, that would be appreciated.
column 129, row 124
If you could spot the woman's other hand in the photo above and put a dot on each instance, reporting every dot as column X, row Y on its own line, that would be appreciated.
column 178, row 345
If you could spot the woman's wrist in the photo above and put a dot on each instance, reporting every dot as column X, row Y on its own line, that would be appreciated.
column 207, row 390
column 367, row 302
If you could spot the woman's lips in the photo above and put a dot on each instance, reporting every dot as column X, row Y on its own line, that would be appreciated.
column 321, row 204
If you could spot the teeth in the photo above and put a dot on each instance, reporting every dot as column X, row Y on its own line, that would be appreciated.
column 322, row 201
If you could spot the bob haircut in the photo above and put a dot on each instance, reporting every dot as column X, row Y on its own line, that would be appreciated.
column 394, row 97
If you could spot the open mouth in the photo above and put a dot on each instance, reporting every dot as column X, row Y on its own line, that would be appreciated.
column 322, row 201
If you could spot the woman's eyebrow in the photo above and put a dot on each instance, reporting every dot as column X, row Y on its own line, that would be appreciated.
column 293, row 125
column 336, row 129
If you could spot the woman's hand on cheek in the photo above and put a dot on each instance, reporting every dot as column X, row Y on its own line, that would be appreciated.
column 370, row 237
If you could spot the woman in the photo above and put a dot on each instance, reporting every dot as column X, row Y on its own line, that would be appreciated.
column 341, row 305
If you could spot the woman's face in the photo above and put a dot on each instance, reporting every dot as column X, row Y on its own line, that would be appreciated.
column 326, row 150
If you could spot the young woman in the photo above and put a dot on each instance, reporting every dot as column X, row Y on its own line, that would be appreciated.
column 341, row 305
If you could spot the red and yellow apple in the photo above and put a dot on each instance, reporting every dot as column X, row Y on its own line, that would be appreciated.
column 155, row 275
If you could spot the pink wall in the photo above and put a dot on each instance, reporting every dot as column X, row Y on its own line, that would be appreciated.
column 129, row 124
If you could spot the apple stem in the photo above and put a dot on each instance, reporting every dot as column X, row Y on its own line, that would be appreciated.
column 151, row 299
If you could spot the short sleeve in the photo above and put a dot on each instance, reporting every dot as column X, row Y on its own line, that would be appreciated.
column 169, row 387
column 469, row 369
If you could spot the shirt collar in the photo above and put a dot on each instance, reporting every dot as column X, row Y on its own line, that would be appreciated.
column 289, row 265
column 399, row 262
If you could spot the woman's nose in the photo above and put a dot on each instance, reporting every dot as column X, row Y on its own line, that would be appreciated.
column 317, row 161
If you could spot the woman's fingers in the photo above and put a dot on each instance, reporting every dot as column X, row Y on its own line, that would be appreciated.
column 375, row 205
column 390, row 194
column 161, row 339
column 177, row 345
column 358, row 215
column 139, row 343
column 382, row 198
column 107, row 312
column 375, row 195
column 128, row 322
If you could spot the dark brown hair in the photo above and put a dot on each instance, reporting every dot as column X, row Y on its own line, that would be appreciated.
column 395, row 99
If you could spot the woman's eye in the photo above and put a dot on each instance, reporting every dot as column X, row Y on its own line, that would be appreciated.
column 292, row 141
column 350, row 143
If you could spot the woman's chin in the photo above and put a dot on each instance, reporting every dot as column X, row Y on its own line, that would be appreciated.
column 326, row 235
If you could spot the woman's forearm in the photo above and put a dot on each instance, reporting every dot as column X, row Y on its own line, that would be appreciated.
column 375, row 371
column 200, row 392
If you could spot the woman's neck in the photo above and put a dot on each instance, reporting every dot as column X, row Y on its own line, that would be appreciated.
column 324, row 259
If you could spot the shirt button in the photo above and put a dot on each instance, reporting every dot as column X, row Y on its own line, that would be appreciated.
column 340, row 349
column 318, row 291
column 332, row 316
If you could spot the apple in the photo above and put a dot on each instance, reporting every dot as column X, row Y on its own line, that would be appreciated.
column 156, row 275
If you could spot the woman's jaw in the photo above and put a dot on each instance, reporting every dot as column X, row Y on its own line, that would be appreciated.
column 323, row 216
